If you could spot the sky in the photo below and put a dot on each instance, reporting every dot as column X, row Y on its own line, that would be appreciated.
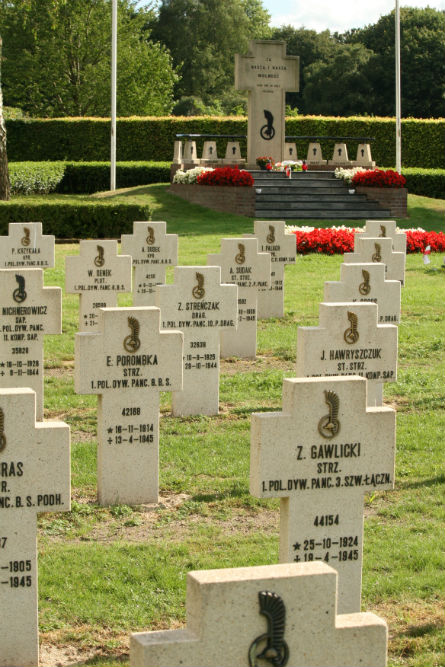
column 336, row 15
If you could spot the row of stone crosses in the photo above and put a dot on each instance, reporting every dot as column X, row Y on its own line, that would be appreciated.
column 332, row 442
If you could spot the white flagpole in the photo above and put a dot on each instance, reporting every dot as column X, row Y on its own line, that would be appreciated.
column 398, row 93
column 113, row 93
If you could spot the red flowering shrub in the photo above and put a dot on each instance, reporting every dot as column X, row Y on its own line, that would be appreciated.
column 417, row 241
column 338, row 241
column 225, row 176
column 379, row 178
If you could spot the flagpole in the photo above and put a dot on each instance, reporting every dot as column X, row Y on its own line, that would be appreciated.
column 113, row 93
column 398, row 93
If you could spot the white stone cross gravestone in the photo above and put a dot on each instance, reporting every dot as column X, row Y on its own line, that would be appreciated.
column 384, row 229
column 26, row 247
column 320, row 455
column 348, row 341
column 152, row 250
column 28, row 312
column 283, row 249
column 243, row 265
column 127, row 363
column 201, row 307
column 366, row 283
column 34, row 477
column 378, row 250
column 98, row 274
column 267, row 73
column 265, row 615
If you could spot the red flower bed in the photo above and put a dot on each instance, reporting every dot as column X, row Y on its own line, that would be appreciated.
column 338, row 241
column 225, row 176
column 379, row 178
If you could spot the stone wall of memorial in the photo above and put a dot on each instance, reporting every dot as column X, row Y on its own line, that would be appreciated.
column 394, row 199
column 228, row 199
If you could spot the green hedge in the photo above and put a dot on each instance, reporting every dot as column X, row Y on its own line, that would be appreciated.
column 88, row 177
column 82, row 177
column 87, row 139
column 65, row 221
column 425, row 182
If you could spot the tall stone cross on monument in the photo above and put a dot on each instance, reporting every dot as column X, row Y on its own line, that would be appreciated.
column 266, row 72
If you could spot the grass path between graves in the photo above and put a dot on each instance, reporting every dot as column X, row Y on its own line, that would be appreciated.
column 107, row 571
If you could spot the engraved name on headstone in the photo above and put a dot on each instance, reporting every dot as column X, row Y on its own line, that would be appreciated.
column 366, row 283
column 349, row 341
column 376, row 250
column 201, row 307
column 26, row 247
column 320, row 455
column 28, row 312
column 127, row 363
column 283, row 249
column 266, row 72
column 34, row 477
column 266, row 615
column 152, row 250
column 98, row 274
column 242, row 265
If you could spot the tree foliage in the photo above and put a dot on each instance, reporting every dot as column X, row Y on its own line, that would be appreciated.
column 4, row 175
column 203, row 37
column 58, row 59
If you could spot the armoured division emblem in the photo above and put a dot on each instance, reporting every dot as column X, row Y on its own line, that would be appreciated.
column 150, row 236
column 364, row 288
column 267, row 131
column 198, row 291
column 351, row 333
column 270, row 647
column 26, row 240
column 19, row 294
column 240, row 258
column 99, row 260
column 329, row 426
column 271, row 235
column 382, row 231
column 132, row 342
column 377, row 257
column 2, row 430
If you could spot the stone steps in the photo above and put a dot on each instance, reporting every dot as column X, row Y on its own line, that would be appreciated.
column 310, row 195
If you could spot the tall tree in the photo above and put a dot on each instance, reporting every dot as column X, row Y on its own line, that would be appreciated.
column 422, row 36
column 4, row 175
column 203, row 37
column 58, row 55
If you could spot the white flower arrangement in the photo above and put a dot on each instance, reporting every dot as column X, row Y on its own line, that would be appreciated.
column 293, row 164
column 347, row 174
column 190, row 176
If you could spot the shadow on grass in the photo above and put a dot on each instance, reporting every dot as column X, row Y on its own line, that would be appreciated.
column 421, row 630
column 434, row 481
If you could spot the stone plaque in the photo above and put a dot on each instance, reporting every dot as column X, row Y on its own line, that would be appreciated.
column 242, row 265
column 26, row 247
column 320, row 455
column 348, row 341
column 266, row 72
column 266, row 615
column 201, row 307
column 152, row 250
column 378, row 250
column 98, row 274
column 127, row 363
column 34, row 477
column 28, row 312
column 366, row 283
column 283, row 249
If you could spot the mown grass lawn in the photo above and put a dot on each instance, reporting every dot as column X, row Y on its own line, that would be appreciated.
column 107, row 571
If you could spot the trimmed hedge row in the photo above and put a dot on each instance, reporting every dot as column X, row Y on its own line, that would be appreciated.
column 82, row 177
column 86, row 139
column 425, row 182
column 65, row 221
